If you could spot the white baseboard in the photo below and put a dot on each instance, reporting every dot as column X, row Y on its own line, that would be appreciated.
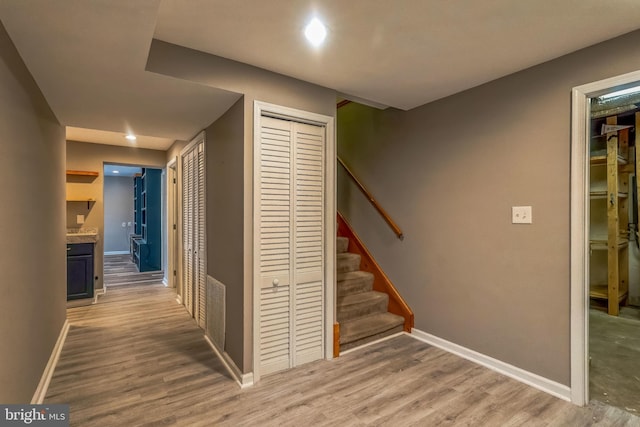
column 243, row 380
column 165, row 282
column 117, row 252
column 541, row 383
column 388, row 337
column 43, row 385
column 98, row 293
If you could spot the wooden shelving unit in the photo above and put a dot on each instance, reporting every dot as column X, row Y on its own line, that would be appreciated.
column 137, row 205
column 147, row 241
column 609, row 194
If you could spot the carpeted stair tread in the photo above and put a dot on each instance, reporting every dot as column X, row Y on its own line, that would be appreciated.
column 342, row 244
column 354, row 282
column 374, row 326
column 361, row 311
column 346, row 262
column 361, row 304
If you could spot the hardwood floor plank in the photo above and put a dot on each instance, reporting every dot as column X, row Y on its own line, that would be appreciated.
column 138, row 359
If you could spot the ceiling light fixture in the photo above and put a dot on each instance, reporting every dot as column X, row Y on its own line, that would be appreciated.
column 131, row 137
column 116, row 171
column 315, row 32
column 621, row 92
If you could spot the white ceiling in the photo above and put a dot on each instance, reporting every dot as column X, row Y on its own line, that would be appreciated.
column 88, row 57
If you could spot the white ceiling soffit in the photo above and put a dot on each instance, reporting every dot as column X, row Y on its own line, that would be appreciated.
column 117, row 138
column 88, row 58
column 403, row 53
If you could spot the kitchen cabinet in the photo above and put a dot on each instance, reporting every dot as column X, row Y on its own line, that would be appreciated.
column 80, row 270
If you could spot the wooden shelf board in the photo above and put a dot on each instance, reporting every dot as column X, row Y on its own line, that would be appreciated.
column 602, row 160
column 603, row 245
column 602, row 194
column 602, row 292
column 82, row 173
column 81, row 200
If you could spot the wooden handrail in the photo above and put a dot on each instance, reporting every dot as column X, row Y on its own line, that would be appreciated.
column 373, row 201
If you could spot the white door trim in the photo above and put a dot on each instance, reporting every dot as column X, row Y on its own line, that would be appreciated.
column 170, row 241
column 579, row 229
column 276, row 111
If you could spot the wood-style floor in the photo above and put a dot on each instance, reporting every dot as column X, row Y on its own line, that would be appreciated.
column 120, row 270
column 138, row 359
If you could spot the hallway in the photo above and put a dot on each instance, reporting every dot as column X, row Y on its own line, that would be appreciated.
column 137, row 358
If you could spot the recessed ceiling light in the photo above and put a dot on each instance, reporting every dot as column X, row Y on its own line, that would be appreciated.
column 116, row 171
column 315, row 32
column 131, row 137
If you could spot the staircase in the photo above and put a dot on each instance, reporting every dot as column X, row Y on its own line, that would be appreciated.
column 361, row 312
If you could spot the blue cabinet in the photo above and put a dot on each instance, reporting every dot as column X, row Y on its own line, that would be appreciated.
column 147, row 249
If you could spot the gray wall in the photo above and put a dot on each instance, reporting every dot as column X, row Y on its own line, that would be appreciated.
column 118, row 208
column 254, row 84
column 92, row 157
column 32, row 226
column 449, row 172
column 224, row 142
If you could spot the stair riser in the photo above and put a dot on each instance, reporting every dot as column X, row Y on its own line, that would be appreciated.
column 342, row 244
column 354, row 286
column 363, row 309
column 346, row 265
column 347, row 344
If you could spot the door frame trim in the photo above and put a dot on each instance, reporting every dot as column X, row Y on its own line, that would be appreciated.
column 172, row 208
column 276, row 111
column 579, row 229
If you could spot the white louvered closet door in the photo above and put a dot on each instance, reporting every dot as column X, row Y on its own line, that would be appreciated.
column 187, row 231
column 308, row 272
column 290, row 206
column 200, row 240
column 194, row 236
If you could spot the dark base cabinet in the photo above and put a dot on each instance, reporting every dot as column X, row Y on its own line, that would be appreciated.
column 79, row 271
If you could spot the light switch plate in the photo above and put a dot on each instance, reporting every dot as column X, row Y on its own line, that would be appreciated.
column 521, row 215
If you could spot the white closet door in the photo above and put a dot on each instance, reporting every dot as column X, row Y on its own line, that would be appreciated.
column 200, row 239
column 290, row 188
column 308, row 243
column 194, row 237
column 275, row 240
column 186, row 234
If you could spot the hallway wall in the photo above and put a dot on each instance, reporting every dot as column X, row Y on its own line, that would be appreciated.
column 32, row 225
column 449, row 172
column 224, row 157
column 118, row 208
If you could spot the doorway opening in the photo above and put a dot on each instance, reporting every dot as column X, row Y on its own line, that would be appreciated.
column 132, row 225
column 605, row 247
